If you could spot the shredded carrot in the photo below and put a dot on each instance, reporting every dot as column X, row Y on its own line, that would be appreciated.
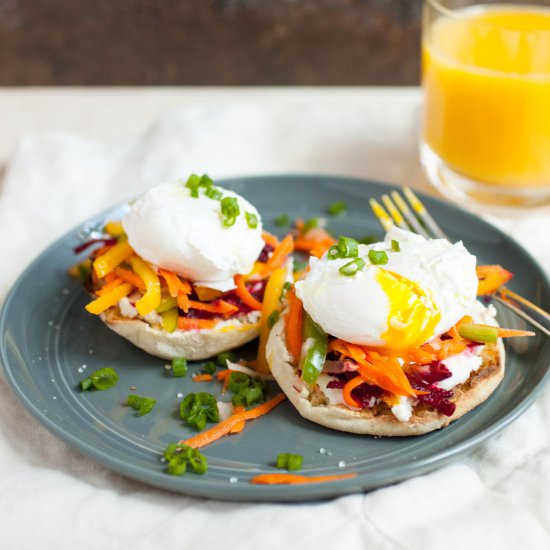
column 105, row 289
column 348, row 388
column 99, row 305
column 174, row 283
column 244, row 294
column 293, row 479
column 280, row 254
column 224, row 375
column 183, row 301
column 238, row 428
column 186, row 323
column 220, row 306
column 270, row 239
column 202, row 378
column 225, row 426
column 129, row 277
column 511, row 333
column 294, row 322
column 312, row 247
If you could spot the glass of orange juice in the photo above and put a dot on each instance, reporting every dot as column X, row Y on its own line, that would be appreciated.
column 486, row 81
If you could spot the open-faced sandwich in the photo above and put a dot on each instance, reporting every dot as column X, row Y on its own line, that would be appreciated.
column 183, row 274
column 387, row 339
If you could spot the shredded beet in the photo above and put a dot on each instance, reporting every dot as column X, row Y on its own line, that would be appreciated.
column 424, row 378
column 365, row 394
column 264, row 254
column 80, row 248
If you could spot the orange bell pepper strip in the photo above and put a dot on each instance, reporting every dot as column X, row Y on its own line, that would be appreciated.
column 294, row 322
column 99, row 305
column 105, row 263
column 105, row 289
column 151, row 299
column 129, row 277
column 491, row 277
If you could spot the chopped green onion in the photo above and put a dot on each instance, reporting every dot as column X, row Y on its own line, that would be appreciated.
column 179, row 366
column 273, row 318
column 229, row 210
column 101, row 379
column 289, row 461
column 179, row 455
column 312, row 223
column 351, row 268
column 209, row 367
column 213, row 193
column 251, row 220
column 206, row 181
column 193, row 184
column 246, row 390
column 282, row 220
column 225, row 356
column 337, row 208
column 478, row 333
column 199, row 408
column 378, row 257
column 238, row 381
column 344, row 248
column 286, row 287
column 395, row 246
column 142, row 405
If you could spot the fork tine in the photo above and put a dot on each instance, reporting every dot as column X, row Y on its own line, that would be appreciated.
column 383, row 217
column 423, row 214
column 394, row 212
column 409, row 216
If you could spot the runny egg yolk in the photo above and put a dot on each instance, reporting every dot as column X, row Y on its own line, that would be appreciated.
column 412, row 315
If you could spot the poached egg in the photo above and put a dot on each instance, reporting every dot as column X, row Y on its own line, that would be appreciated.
column 426, row 286
column 172, row 229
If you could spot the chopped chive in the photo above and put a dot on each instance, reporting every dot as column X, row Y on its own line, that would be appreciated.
column 337, row 208
column 251, row 220
column 229, row 211
column 238, row 381
column 199, row 408
column 273, row 318
column 180, row 455
column 142, row 405
column 351, row 268
column 179, row 366
column 206, row 181
column 209, row 367
column 395, row 246
column 282, row 460
column 177, row 466
column 312, row 223
column 86, row 384
column 282, row 220
column 198, row 462
column 378, row 257
column 213, row 193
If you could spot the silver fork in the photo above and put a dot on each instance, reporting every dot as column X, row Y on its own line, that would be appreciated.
column 410, row 213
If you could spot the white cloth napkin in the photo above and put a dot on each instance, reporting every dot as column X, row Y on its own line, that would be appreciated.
column 51, row 496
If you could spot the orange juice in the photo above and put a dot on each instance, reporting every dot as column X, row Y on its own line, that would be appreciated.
column 486, row 78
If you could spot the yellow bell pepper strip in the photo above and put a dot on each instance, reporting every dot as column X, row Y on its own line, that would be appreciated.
column 491, row 277
column 151, row 299
column 271, row 303
column 170, row 319
column 114, row 229
column 99, row 305
column 107, row 262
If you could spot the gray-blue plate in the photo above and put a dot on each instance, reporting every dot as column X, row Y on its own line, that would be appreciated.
column 49, row 343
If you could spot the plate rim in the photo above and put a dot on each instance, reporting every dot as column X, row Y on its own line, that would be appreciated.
column 244, row 491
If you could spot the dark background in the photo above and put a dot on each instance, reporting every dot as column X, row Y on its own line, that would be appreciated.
column 209, row 42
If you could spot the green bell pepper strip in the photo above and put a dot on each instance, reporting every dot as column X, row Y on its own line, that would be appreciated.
column 170, row 320
column 167, row 303
column 478, row 333
column 314, row 357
